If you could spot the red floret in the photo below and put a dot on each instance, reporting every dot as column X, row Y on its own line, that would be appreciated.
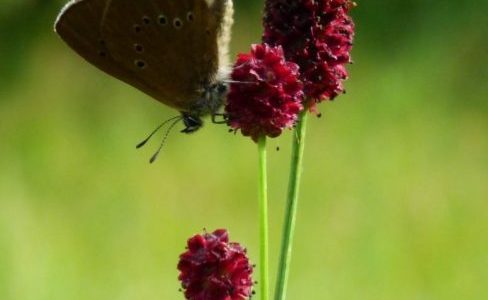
column 266, row 94
column 318, row 36
column 212, row 268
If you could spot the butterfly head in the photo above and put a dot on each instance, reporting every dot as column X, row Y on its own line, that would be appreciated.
column 192, row 123
column 211, row 100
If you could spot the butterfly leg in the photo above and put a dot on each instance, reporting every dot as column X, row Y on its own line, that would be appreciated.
column 224, row 120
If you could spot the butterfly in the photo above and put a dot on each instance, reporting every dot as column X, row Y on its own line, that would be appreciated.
column 176, row 51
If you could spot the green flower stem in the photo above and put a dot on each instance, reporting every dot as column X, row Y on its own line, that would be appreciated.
column 263, row 219
column 291, row 208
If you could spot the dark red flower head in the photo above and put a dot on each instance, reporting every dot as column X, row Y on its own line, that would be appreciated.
column 317, row 35
column 266, row 95
column 214, row 269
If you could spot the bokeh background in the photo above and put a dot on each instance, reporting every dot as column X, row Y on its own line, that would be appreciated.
column 394, row 198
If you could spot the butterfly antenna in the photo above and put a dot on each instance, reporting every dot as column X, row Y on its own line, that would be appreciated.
column 156, row 130
column 168, row 131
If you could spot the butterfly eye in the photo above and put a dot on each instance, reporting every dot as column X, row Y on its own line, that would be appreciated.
column 222, row 88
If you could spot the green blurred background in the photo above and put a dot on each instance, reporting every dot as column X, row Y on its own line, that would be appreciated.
column 394, row 198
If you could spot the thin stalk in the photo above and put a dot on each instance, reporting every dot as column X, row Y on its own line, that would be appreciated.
column 291, row 206
column 263, row 220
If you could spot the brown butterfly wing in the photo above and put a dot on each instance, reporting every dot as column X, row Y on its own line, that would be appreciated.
column 168, row 49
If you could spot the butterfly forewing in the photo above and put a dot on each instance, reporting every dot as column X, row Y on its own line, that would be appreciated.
column 169, row 49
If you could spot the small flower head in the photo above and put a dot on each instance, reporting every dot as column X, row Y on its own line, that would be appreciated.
column 266, row 94
column 214, row 269
column 317, row 35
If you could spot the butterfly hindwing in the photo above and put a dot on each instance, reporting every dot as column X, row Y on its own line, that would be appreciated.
column 171, row 50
